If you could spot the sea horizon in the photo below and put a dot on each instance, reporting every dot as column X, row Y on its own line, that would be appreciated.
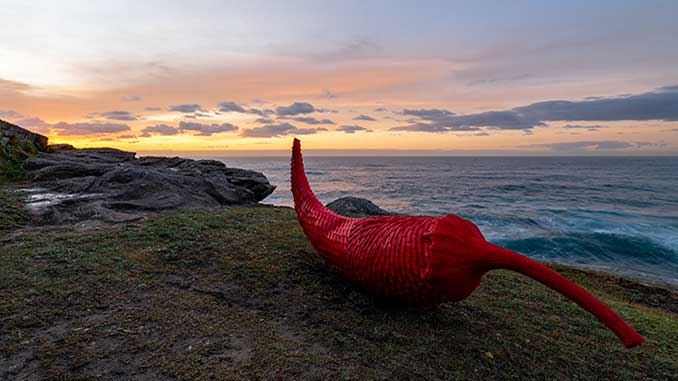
column 374, row 153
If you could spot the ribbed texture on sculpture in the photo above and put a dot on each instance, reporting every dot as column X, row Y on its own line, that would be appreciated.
column 423, row 260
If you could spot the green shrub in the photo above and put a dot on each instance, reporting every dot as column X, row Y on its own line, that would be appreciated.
column 12, row 157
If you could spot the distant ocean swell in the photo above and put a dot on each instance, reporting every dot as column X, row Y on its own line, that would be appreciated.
column 618, row 215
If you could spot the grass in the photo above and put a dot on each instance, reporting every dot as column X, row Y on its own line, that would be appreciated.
column 12, row 212
column 239, row 293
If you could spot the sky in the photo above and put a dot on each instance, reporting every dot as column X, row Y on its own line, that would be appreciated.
column 382, row 77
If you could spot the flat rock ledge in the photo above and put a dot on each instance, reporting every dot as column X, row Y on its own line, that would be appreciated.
column 111, row 185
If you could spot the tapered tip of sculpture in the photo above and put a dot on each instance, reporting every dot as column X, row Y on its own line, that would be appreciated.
column 508, row 259
column 633, row 340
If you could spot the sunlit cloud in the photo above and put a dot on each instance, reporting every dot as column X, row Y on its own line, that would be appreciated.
column 311, row 120
column 661, row 104
column 231, row 107
column 130, row 98
column 352, row 129
column 9, row 86
column 594, row 127
column 206, row 129
column 159, row 129
column 364, row 117
column 234, row 107
column 278, row 130
column 66, row 129
column 295, row 108
column 10, row 114
column 117, row 115
column 186, row 108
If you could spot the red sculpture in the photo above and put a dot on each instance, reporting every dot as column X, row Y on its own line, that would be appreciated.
column 423, row 260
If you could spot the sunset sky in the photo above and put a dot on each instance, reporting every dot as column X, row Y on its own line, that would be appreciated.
column 218, row 77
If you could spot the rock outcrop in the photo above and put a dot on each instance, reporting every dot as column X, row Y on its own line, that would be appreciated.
column 357, row 207
column 114, row 186
column 11, row 133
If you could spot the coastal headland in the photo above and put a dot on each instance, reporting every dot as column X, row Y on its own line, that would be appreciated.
column 209, row 284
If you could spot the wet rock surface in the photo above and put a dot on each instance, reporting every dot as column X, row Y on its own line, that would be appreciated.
column 114, row 186
column 357, row 207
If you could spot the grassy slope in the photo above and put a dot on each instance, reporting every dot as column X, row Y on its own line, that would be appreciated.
column 240, row 293
column 12, row 212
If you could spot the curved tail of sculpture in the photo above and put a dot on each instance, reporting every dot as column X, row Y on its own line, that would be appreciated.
column 505, row 258
column 304, row 199
column 325, row 229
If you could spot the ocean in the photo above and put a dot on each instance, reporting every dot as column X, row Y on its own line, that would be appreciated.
column 614, row 214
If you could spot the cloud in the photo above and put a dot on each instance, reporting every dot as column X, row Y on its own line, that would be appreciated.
column 497, row 80
column 264, row 121
column 594, row 127
column 152, row 108
column 277, row 130
column 31, row 122
column 660, row 104
column 118, row 115
column 498, row 120
column 10, row 114
column 160, row 129
column 234, row 107
column 231, row 107
column 433, row 114
column 126, row 137
column 585, row 127
column 354, row 50
column 186, row 108
column 295, row 108
column 431, row 127
column 67, row 129
column 311, row 120
column 130, row 98
column 197, row 115
column 352, row 129
column 365, row 118
column 444, row 121
column 589, row 146
column 206, row 129
column 380, row 109
column 431, row 120
column 8, row 86
column 34, row 124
